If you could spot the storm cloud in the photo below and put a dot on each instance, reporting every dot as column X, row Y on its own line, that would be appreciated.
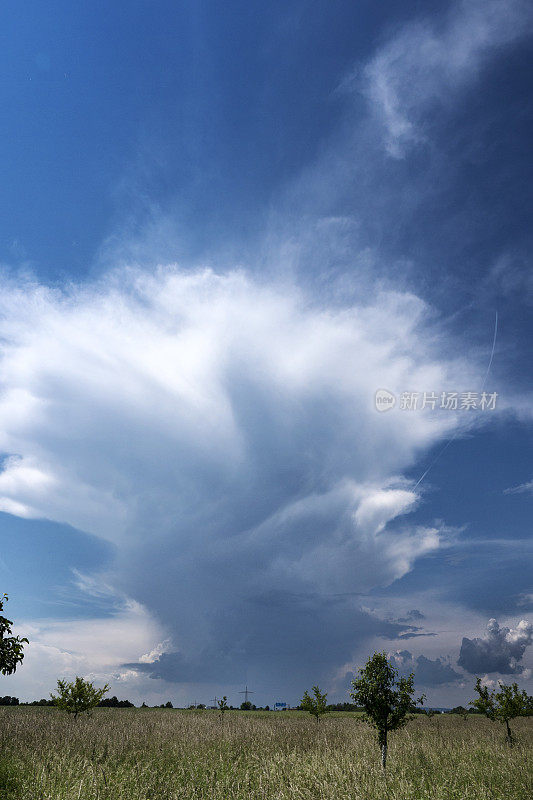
column 428, row 672
column 221, row 434
column 500, row 651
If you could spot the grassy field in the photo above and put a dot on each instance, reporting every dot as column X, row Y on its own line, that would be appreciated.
column 135, row 754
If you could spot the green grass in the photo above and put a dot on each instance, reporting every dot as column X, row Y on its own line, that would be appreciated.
column 134, row 754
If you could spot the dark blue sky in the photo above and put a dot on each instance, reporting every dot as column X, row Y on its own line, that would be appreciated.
column 358, row 176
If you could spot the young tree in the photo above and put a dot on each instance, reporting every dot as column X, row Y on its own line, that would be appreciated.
column 503, row 706
column 11, row 647
column 461, row 711
column 78, row 696
column 385, row 698
column 317, row 704
column 222, row 705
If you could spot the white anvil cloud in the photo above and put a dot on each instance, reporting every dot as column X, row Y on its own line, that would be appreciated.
column 222, row 434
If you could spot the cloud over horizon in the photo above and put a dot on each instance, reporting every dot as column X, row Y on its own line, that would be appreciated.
column 500, row 651
column 428, row 672
column 215, row 426
column 221, row 433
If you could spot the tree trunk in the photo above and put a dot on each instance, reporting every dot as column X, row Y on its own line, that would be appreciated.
column 509, row 734
column 384, row 753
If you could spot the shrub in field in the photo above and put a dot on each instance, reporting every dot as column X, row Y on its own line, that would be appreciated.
column 78, row 697
column 222, row 705
column 11, row 647
column 385, row 698
column 315, row 705
column 503, row 706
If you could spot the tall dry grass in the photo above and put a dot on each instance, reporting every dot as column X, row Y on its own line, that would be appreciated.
column 143, row 754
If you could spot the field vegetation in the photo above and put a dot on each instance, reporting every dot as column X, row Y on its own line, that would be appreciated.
column 166, row 754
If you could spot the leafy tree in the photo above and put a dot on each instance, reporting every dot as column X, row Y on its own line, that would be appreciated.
column 168, row 704
column 11, row 647
column 385, row 698
column 503, row 706
column 9, row 701
column 222, row 705
column 317, row 704
column 78, row 696
column 246, row 706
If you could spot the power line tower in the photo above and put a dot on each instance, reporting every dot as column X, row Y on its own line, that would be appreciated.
column 246, row 692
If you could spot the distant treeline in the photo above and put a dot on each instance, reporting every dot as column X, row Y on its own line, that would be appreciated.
column 114, row 702
column 110, row 702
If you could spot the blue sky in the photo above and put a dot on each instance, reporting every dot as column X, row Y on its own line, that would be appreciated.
column 223, row 228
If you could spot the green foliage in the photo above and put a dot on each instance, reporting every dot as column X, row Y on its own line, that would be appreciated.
column 503, row 706
column 386, row 698
column 41, row 702
column 11, row 647
column 343, row 707
column 9, row 785
column 9, row 701
column 223, row 705
column 246, row 706
column 316, row 705
column 78, row 697
column 114, row 702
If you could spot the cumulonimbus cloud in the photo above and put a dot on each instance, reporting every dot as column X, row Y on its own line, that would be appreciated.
column 428, row 672
column 222, row 434
column 500, row 651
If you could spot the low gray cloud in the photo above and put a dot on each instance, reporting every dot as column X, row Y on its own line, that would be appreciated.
column 500, row 651
column 267, row 636
column 428, row 672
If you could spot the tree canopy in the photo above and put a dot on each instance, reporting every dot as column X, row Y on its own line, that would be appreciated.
column 503, row 705
column 78, row 696
column 385, row 697
column 11, row 647
column 315, row 705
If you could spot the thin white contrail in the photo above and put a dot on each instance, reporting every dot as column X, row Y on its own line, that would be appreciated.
column 492, row 353
column 448, row 443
